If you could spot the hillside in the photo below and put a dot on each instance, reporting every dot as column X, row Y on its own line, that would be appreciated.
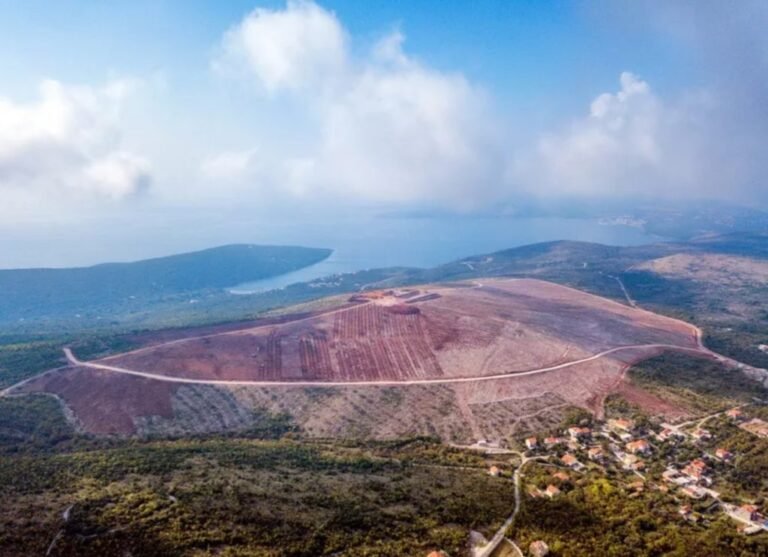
column 30, row 294
column 465, row 360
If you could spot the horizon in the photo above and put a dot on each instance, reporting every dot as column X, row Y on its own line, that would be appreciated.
column 225, row 120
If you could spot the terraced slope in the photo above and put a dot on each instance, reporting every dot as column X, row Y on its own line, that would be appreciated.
column 497, row 327
column 462, row 361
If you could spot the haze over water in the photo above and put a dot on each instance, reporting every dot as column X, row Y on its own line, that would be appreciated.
column 427, row 242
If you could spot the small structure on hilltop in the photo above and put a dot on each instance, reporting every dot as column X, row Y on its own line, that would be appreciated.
column 538, row 549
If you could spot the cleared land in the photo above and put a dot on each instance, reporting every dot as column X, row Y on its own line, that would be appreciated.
column 497, row 327
column 460, row 361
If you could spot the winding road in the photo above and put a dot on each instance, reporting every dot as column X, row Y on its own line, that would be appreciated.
column 102, row 365
column 74, row 361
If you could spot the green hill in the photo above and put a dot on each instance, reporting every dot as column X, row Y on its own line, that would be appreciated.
column 46, row 293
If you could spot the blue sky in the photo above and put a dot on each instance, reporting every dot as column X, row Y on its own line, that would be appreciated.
column 150, row 109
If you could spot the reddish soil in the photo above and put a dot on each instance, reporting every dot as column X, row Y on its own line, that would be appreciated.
column 502, row 327
column 648, row 401
column 106, row 403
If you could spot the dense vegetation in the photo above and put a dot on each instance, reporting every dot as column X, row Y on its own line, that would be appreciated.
column 696, row 383
column 235, row 496
column 597, row 515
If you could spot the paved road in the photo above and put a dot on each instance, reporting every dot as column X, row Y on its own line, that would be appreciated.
column 488, row 549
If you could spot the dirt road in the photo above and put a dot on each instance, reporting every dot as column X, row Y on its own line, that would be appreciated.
column 73, row 360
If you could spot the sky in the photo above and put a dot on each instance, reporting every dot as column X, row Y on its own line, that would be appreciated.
column 125, row 117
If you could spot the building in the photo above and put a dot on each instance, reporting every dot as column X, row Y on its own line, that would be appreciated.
column 723, row 454
column 631, row 462
column 621, row 425
column 735, row 414
column 494, row 471
column 437, row 554
column 552, row 441
column 701, row 435
column 531, row 443
column 552, row 491
column 538, row 549
column 668, row 434
column 571, row 461
column 696, row 470
column 641, row 446
column 747, row 513
column 579, row 432
column 596, row 453
column 562, row 476
column 693, row 491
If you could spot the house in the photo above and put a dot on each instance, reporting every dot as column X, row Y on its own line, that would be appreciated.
column 552, row 441
column 621, row 425
column 747, row 513
column 562, row 476
column 696, row 469
column 437, row 554
column 735, row 414
column 631, row 462
column 595, row 453
column 531, row 443
column 723, row 454
column 701, row 435
column 668, row 434
column 641, row 446
column 494, row 471
column 552, row 491
column 538, row 549
column 579, row 432
column 571, row 461
column 693, row 491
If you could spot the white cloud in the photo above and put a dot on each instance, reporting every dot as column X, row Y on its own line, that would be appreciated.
column 67, row 144
column 230, row 164
column 633, row 143
column 294, row 48
column 388, row 128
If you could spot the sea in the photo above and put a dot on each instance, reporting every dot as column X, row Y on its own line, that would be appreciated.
column 427, row 242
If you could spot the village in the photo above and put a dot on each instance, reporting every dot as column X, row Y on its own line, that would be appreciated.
column 685, row 461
